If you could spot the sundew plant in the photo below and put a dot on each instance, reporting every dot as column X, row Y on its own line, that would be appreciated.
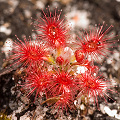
column 51, row 62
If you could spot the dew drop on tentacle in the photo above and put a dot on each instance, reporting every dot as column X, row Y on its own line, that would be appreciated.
column 53, row 32
column 92, row 45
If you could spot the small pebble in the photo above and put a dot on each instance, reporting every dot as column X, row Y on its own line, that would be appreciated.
column 111, row 113
column 24, row 117
column 7, row 47
column 28, row 14
column 5, row 30
column 40, row 5
column 109, row 60
column 78, row 18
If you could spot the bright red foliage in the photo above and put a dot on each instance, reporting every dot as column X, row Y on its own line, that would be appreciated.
column 62, row 81
column 64, row 85
column 92, row 86
column 55, row 72
column 66, row 100
column 60, row 60
column 54, row 29
column 28, row 53
column 95, row 43
column 37, row 81
column 80, row 57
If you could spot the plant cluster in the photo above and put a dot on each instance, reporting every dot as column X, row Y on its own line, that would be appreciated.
column 52, row 61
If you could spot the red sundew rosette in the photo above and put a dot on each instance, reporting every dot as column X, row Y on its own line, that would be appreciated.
column 94, row 44
column 37, row 81
column 62, row 89
column 93, row 87
column 27, row 53
column 54, row 29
